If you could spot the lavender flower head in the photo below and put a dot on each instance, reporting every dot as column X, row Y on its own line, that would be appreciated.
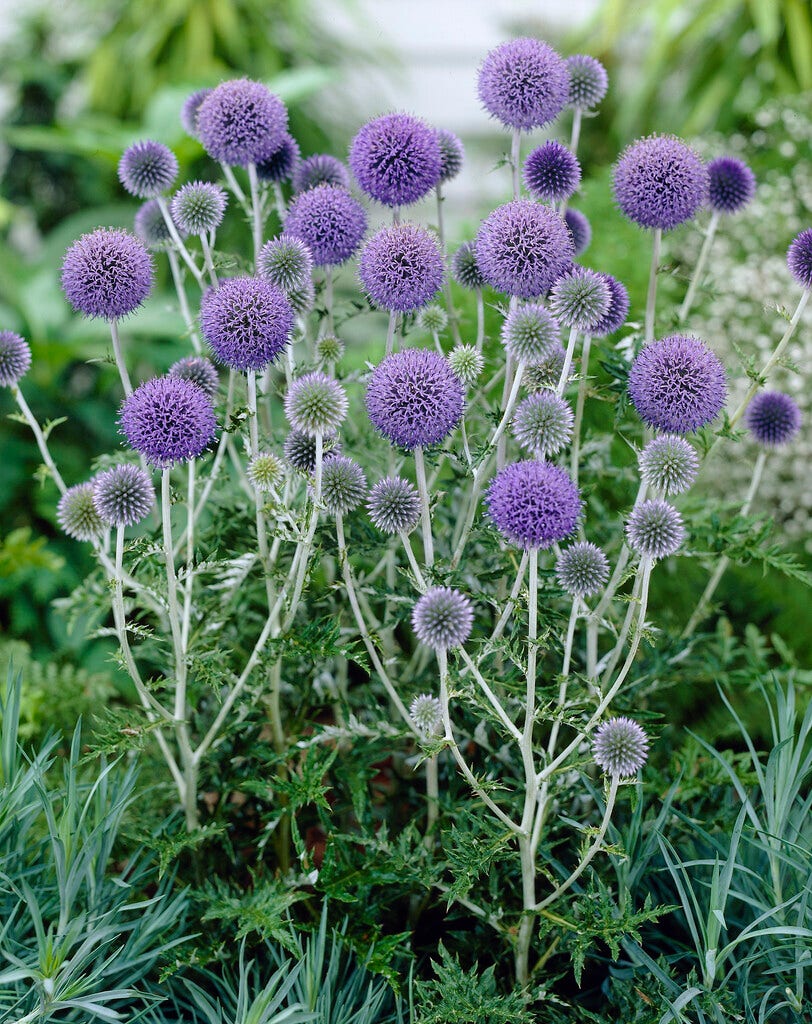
column 198, row 370
column 731, row 184
column 588, row 81
column 442, row 618
column 677, row 384
column 320, row 169
column 582, row 569
column 524, row 83
column 150, row 226
column 414, row 398
column 799, row 258
column 344, row 485
column 168, row 420
column 668, row 464
column 247, row 321
column 522, row 248
column 773, row 418
column 579, row 229
column 620, row 747
column 465, row 269
column 615, row 316
column 76, row 513
column 426, row 713
column 315, row 404
column 396, row 159
column 281, row 164
column 452, row 154
column 198, row 207
column 660, row 182
column 543, row 423
column 533, row 504
column 329, row 221
column 655, row 529
column 401, row 267
column 123, row 495
column 394, row 505
column 241, row 122
column 190, row 109
column 300, row 450
column 15, row 359
column 581, row 299
column 551, row 172
column 286, row 262
column 107, row 273
column 530, row 333
column 148, row 168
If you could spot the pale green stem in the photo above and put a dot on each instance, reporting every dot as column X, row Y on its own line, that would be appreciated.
column 256, row 211
column 390, row 332
column 480, row 320
column 432, row 799
column 39, row 437
column 172, row 599
column 579, row 409
column 565, row 674
column 190, row 552
column 568, row 357
column 413, row 564
column 208, row 261
column 576, row 130
column 119, row 356
column 494, row 701
column 449, row 302
column 281, row 205
column 515, row 160
column 328, row 298
column 234, row 185
column 651, row 297
column 183, row 302
column 173, row 234
column 262, row 534
column 425, row 510
column 699, row 269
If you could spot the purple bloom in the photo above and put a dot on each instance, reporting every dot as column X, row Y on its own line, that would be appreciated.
column 615, row 316
column 660, row 182
column 329, row 221
column 579, row 228
column 414, row 398
column 731, row 184
column 582, row 569
column 198, row 370
column 530, row 333
column 655, row 529
column 150, row 226
column 522, row 248
column 247, row 321
column 588, row 81
column 668, row 464
column 773, row 418
column 401, row 267
column 241, row 122
column 168, row 420
column 394, row 505
column 343, row 485
column 396, row 159
column 443, row 618
column 677, row 384
column 76, row 513
column 286, row 262
column 543, row 423
column 281, row 164
column 464, row 267
column 315, row 404
column 799, row 258
column 580, row 299
column 620, row 747
column 524, row 83
column 190, row 109
column 15, row 358
column 198, row 207
column 320, row 169
column 452, row 154
column 534, row 504
column 107, row 273
column 551, row 172
column 147, row 169
column 123, row 495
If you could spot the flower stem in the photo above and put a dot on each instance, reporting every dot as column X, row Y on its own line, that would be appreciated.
column 256, row 211
column 390, row 332
column 576, row 130
column 42, row 444
column 696, row 277
column 173, row 234
column 515, row 160
column 119, row 356
column 568, row 357
column 425, row 510
column 651, row 297
column 579, row 408
column 183, row 302
column 208, row 261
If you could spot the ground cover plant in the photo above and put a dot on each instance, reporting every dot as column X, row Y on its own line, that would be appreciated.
column 396, row 618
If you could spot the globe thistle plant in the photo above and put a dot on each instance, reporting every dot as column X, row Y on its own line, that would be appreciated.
column 149, row 225
column 198, row 370
column 617, row 311
column 443, row 618
column 660, row 182
column 464, row 268
column 77, row 515
column 530, row 333
column 401, row 268
column 241, row 122
column 286, row 262
column 582, row 569
column 655, row 529
column 580, row 299
column 547, row 372
column 394, row 505
column 522, row 248
column 533, row 504
column 15, row 359
column 432, row 319
column 579, row 229
column 731, row 185
column 265, row 471
column 396, row 159
column 147, row 169
column 190, row 109
column 107, row 273
column 620, row 747
column 320, row 169
column 467, row 363
column 344, row 485
column 281, row 164
column 300, row 450
column 247, row 321
column 123, row 495
column 551, row 172
column 315, row 404
column 543, row 423
column 328, row 349
column 198, row 207
column 524, row 84
column 668, row 464
column 588, row 81
column 773, row 418
column 329, row 221
column 427, row 715
column 452, row 154
column 168, row 420
column 799, row 258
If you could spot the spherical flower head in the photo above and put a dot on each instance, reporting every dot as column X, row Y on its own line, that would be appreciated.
column 320, row 169
column 190, row 109
column 401, row 267
column 198, row 370
column 524, row 84
column 452, row 154
column 300, row 450
column 588, row 81
column 533, row 504
column 328, row 348
column 799, row 258
column 464, row 268
column 107, row 273
column 414, row 398
column 442, row 618
column 286, row 262
column 76, row 513
column 655, row 529
column 523, row 247
column 547, row 372
column 343, row 485
column 668, row 464
column 620, row 747
column 265, row 471
column 168, row 420
column 615, row 316
column 530, row 333
column 394, row 505
column 329, row 221
column 582, row 569
column 15, row 358
column 123, row 495
column 241, row 122
column 580, row 299
column 433, row 319
column 543, row 423
column 579, row 229
column 660, row 182
column 731, row 184
column 427, row 715
column 302, row 299
column 551, row 172
column 677, row 384
column 150, row 226
column 467, row 363
column 773, row 418
column 148, row 168
column 198, row 207
column 315, row 404
column 247, row 321
column 396, row 159
column 281, row 164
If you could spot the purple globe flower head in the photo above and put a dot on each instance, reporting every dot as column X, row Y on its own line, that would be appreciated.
column 123, row 495
column 799, row 258
column 442, row 618
column 198, row 207
column 731, row 184
column 582, row 569
column 579, row 229
column 615, row 316
column 773, row 418
column 147, row 169
column 394, row 505
column 281, row 164
column 543, row 423
column 464, row 268
column 15, row 359
column 396, row 159
column 198, row 370
column 660, row 182
column 588, row 81
column 620, row 747
column 241, row 122
column 286, row 262
column 329, row 221
column 76, row 513
column 668, row 464
column 168, row 420
column 414, row 398
column 401, row 267
column 533, row 504
column 107, row 273
column 581, row 299
column 300, row 450
column 320, row 169
column 315, row 404
column 150, row 226
column 247, row 321
column 677, row 384
column 189, row 111
column 524, row 83
column 522, row 248
column 551, row 172
column 655, row 529
column 452, row 154
column 530, row 333
column 343, row 485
